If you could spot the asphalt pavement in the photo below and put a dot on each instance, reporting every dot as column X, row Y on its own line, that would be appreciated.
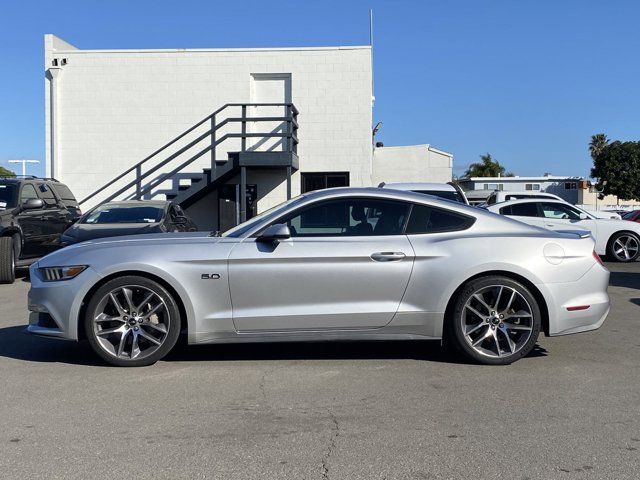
column 392, row 410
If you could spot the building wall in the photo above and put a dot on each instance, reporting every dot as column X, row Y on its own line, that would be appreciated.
column 115, row 107
column 413, row 163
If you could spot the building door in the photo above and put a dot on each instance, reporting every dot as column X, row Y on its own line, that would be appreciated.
column 269, row 88
column 229, row 205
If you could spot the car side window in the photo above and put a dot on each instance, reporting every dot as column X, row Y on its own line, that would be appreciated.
column 529, row 209
column 27, row 193
column 348, row 218
column 559, row 211
column 47, row 195
column 426, row 219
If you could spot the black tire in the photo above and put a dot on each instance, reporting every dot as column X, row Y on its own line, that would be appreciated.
column 7, row 260
column 172, row 319
column 455, row 323
column 626, row 242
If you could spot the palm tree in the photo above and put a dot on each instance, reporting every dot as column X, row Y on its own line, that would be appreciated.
column 597, row 144
column 487, row 167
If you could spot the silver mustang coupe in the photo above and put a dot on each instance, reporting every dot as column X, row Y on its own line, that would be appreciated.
column 337, row 264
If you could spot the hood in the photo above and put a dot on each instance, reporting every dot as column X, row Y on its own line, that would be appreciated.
column 81, row 232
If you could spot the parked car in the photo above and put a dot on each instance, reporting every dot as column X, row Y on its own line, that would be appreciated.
column 132, row 217
column 33, row 214
column 617, row 238
column 633, row 216
column 448, row 191
column 311, row 270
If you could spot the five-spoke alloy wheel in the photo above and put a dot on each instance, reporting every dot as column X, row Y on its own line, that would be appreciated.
column 624, row 247
column 132, row 321
column 495, row 320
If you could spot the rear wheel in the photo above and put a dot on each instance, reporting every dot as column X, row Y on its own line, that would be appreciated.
column 7, row 260
column 132, row 322
column 624, row 247
column 495, row 321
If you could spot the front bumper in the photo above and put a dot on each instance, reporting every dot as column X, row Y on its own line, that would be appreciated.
column 590, row 290
column 54, row 307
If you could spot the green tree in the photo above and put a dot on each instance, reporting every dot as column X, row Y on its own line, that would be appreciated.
column 618, row 163
column 6, row 173
column 487, row 167
column 597, row 144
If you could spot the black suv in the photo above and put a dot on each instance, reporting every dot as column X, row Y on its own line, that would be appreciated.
column 33, row 214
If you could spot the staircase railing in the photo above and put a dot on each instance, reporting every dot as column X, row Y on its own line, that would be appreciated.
column 289, row 136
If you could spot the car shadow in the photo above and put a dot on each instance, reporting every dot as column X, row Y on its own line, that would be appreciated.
column 17, row 344
column 625, row 279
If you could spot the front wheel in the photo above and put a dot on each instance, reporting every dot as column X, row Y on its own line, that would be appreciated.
column 7, row 260
column 132, row 322
column 624, row 247
column 495, row 321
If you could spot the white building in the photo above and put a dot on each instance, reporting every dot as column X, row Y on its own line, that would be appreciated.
column 109, row 111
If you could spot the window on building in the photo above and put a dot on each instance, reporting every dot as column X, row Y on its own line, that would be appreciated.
column 425, row 219
column 494, row 186
column 321, row 180
column 532, row 186
column 570, row 185
column 348, row 217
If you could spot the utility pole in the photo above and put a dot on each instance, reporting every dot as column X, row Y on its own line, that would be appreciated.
column 24, row 164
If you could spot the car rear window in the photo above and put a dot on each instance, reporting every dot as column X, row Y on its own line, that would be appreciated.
column 426, row 219
column 447, row 195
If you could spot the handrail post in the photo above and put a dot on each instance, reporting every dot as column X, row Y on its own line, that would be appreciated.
column 244, row 129
column 213, row 149
column 138, row 181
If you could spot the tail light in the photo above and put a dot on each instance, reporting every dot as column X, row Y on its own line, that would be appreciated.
column 597, row 258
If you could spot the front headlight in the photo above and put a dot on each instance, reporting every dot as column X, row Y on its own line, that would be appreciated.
column 55, row 274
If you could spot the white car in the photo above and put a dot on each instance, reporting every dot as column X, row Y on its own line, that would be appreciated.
column 447, row 191
column 617, row 238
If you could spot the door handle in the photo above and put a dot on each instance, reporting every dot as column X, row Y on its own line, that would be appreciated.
column 387, row 256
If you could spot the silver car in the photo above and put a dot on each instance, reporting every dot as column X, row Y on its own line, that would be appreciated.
column 338, row 264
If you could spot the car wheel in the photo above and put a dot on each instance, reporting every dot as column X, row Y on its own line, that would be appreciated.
column 495, row 321
column 132, row 321
column 624, row 247
column 7, row 260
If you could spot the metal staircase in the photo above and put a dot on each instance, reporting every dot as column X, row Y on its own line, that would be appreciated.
column 176, row 162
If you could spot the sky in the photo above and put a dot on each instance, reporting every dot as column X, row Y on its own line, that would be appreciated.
column 529, row 82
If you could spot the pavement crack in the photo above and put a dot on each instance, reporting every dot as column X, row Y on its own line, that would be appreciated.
column 332, row 445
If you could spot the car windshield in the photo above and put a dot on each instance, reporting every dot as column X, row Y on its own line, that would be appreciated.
column 239, row 230
column 123, row 214
column 7, row 196
column 629, row 215
column 446, row 194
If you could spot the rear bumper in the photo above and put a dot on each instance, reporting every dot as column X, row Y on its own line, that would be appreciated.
column 589, row 291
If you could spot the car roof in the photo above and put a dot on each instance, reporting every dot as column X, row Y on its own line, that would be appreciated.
column 392, row 194
column 439, row 187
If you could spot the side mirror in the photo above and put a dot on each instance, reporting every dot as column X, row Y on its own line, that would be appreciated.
column 274, row 233
column 584, row 216
column 32, row 204
column 181, row 221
